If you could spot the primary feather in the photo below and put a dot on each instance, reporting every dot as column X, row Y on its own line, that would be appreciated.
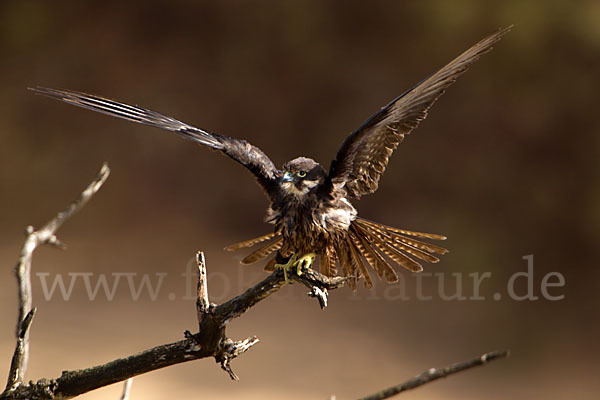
column 364, row 155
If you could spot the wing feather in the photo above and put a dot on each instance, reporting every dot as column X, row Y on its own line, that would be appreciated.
column 364, row 155
column 239, row 150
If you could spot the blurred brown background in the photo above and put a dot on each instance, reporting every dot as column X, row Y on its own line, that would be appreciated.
column 506, row 165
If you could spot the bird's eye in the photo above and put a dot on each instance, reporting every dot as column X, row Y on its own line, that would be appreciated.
column 301, row 174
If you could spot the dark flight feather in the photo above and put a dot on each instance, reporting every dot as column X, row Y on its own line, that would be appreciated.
column 363, row 157
column 241, row 151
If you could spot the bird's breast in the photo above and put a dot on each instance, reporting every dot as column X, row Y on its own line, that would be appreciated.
column 310, row 228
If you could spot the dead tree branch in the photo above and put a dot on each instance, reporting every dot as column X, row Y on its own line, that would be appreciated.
column 44, row 235
column 433, row 374
column 210, row 341
column 212, row 319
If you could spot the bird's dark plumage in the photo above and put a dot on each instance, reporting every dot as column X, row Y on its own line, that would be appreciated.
column 364, row 155
column 309, row 206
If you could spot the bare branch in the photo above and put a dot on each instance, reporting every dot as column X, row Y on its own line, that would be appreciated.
column 75, row 383
column 433, row 374
column 52, row 226
column 210, row 341
column 44, row 235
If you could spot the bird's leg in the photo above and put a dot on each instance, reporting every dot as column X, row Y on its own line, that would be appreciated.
column 304, row 262
column 285, row 267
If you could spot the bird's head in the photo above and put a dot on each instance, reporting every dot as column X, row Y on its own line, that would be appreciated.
column 301, row 176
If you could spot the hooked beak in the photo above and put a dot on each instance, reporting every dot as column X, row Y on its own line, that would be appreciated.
column 287, row 177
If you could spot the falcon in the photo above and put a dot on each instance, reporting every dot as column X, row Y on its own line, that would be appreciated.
column 309, row 205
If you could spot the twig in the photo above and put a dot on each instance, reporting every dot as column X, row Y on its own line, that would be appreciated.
column 202, row 303
column 126, row 389
column 233, row 349
column 319, row 294
column 18, row 364
column 433, row 374
column 44, row 235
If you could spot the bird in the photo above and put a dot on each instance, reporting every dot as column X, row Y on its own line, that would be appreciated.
column 310, row 206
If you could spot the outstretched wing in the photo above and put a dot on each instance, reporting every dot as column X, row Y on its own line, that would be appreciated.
column 239, row 150
column 363, row 157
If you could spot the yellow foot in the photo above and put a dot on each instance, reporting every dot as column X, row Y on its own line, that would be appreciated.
column 304, row 262
column 287, row 266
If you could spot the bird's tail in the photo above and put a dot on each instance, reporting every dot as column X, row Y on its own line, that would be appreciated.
column 131, row 113
column 368, row 241
column 377, row 243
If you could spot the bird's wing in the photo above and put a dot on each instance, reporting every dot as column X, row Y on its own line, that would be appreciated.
column 239, row 150
column 363, row 157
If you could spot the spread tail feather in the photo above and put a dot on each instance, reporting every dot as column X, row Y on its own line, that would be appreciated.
column 384, row 238
column 392, row 252
column 348, row 269
column 328, row 262
column 251, row 242
column 356, row 262
column 263, row 251
column 377, row 243
column 270, row 267
column 402, row 231
column 377, row 262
